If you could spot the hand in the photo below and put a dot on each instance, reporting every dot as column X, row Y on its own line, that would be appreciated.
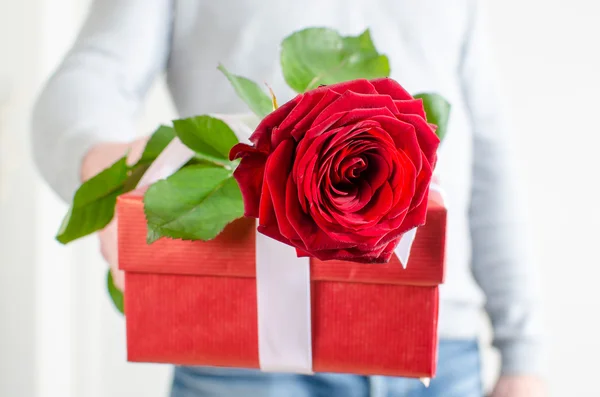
column 519, row 386
column 97, row 159
column 108, row 249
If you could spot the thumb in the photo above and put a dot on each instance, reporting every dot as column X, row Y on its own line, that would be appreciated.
column 118, row 278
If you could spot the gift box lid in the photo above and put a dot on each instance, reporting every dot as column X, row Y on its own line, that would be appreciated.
column 232, row 253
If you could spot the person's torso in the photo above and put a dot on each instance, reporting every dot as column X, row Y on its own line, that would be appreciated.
column 423, row 40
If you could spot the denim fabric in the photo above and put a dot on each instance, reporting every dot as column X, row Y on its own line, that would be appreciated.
column 458, row 375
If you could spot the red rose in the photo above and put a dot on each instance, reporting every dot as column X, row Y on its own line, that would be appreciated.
column 340, row 172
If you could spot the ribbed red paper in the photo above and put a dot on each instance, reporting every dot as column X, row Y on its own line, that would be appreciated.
column 194, row 303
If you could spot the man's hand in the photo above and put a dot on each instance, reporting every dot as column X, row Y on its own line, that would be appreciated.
column 519, row 386
column 97, row 159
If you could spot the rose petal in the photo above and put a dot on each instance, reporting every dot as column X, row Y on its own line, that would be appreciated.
column 267, row 220
column 405, row 191
column 388, row 153
column 342, row 255
column 339, row 206
column 350, row 101
column 301, row 113
column 414, row 218
column 340, row 198
column 240, row 150
column 395, row 216
column 379, row 254
column 404, row 136
column 277, row 172
column 352, row 167
column 378, row 206
column 322, row 216
column 391, row 87
column 348, row 135
column 428, row 140
column 379, row 170
column 422, row 183
column 359, row 115
column 344, row 208
column 358, row 237
column 300, row 127
column 323, row 126
column 300, row 253
column 414, row 106
column 249, row 175
column 385, row 255
column 305, row 169
column 417, row 216
column 261, row 137
column 312, row 238
column 309, row 182
column 310, row 148
column 360, row 86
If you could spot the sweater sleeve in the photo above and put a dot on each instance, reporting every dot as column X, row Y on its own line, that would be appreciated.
column 501, row 259
column 98, row 88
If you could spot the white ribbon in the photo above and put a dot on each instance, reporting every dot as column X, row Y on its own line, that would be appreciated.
column 282, row 279
column 284, row 309
column 172, row 158
column 402, row 251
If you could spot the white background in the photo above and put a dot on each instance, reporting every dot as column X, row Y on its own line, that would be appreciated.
column 59, row 335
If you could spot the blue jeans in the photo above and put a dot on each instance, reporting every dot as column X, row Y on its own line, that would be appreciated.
column 458, row 375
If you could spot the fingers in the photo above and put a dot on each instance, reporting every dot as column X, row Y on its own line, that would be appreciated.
column 118, row 278
column 136, row 148
column 108, row 243
column 108, row 249
column 519, row 386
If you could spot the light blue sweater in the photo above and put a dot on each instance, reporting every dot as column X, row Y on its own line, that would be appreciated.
column 434, row 45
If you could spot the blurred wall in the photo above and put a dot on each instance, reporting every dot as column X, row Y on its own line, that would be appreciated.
column 18, row 44
column 549, row 57
column 59, row 335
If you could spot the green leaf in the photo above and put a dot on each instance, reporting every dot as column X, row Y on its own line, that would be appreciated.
column 135, row 174
column 209, row 137
column 157, row 143
column 115, row 295
column 195, row 203
column 154, row 147
column 250, row 92
column 94, row 203
column 316, row 56
column 152, row 236
column 437, row 110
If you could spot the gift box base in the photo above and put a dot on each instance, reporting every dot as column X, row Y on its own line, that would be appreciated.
column 195, row 302
column 369, row 329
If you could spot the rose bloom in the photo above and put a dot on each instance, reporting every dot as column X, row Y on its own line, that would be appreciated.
column 340, row 172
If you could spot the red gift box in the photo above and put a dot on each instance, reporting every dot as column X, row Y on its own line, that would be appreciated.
column 194, row 302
